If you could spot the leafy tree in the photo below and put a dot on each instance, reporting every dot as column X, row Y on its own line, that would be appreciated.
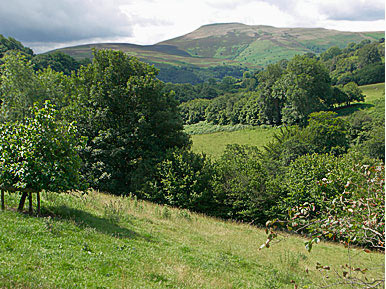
column 7, row 44
column 330, row 53
column 194, row 111
column 21, row 86
column 39, row 153
column 353, row 92
column 18, row 86
column 368, row 54
column 339, row 97
column 270, row 103
column 130, row 123
column 58, row 61
column 372, row 73
column 306, row 87
column 327, row 133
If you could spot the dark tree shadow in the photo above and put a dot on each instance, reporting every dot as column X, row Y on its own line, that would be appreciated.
column 85, row 219
column 347, row 110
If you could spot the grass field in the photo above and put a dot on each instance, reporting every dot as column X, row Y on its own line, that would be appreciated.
column 374, row 92
column 374, row 100
column 213, row 144
column 102, row 241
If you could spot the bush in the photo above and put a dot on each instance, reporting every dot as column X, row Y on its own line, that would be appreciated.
column 184, row 180
column 240, row 186
column 319, row 178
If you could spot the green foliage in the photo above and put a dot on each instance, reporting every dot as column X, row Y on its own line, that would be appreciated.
column 367, row 134
column 305, row 87
column 240, row 185
column 330, row 53
column 354, row 214
column 327, row 133
column 353, row 92
column 129, row 121
column 194, row 111
column 58, row 61
column 317, row 179
column 8, row 44
column 40, row 153
column 21, row 86
column 183, row 179
column 368, row 54
column 360, row 63
column 18, row 86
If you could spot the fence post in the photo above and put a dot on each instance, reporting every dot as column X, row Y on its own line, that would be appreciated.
column 38, row 202
column 2, row 200
column 30, row 208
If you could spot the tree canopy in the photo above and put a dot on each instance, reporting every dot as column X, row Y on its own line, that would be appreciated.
column 129, row 120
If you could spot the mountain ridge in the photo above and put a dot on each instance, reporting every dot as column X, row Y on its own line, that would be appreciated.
column 233, row 44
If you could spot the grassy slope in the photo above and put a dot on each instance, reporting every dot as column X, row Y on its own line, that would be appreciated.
column 213, row 144
column 233, row 43
column 101, row 241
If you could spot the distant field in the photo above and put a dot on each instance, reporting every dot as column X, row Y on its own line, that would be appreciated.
column 214, row 144
column 374, row 100
column 103, row 241
column 373, row 92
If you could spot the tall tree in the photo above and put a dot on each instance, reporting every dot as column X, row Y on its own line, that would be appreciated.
column 306, row 87
column 129, row 121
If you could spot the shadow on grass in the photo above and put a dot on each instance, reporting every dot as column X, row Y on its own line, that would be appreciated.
column 85, row 219
column 347, row 110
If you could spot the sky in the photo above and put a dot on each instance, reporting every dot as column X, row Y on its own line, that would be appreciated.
column 48, row 24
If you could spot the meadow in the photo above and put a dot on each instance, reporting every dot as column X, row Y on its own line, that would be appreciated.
column 96, row 240
column 213, row 139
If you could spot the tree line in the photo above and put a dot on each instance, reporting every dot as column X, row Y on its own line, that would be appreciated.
column 286, row 92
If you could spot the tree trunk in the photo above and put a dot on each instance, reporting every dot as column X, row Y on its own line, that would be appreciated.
column 2, row 200
column 30, row 205
column 22, row 201
column 38, row 202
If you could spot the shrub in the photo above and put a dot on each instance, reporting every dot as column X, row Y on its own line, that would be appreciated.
column 183, row 179
column 240, row 185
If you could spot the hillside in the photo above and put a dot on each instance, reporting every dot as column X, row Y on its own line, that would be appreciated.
column 101, row 241
column 261, row 45
column 233, row 44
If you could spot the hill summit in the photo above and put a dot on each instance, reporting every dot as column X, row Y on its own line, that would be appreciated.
column 234, row 43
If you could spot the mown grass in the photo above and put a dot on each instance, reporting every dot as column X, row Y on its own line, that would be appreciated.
column 103, row 241
column 214, row 144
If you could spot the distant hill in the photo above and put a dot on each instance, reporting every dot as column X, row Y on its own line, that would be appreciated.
column 233, row 44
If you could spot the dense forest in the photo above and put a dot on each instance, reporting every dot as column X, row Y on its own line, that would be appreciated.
column 113, row 126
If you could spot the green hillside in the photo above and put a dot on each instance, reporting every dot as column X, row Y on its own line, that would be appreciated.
column 101, row 241
column 233, row 43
